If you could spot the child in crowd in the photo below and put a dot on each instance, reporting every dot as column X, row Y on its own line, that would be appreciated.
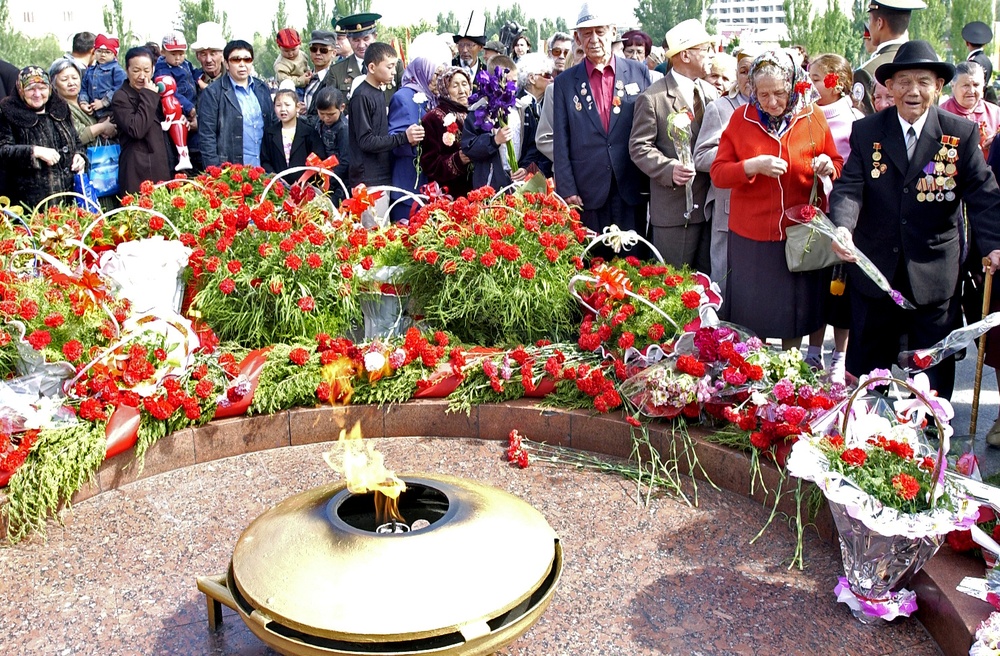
column 292, row 64
column 370, row 142
column 173, row 62
column 102, row 79
column 289, row 143
column 330, row 106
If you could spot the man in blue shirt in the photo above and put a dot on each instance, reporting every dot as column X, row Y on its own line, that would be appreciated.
column 234, row 111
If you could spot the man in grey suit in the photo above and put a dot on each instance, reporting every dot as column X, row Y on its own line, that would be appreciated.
column 681, row 234
column 888, row 22
column 716, row 119
column 592, row 106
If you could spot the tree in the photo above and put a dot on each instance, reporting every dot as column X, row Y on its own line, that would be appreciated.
column 798, row 19
column 316, row 17
column 20, row 50
column 933, row 25
column 264, row 46
column 114, row 23
column 858, row 55
column 964, row 12
column 350, row 7
column 832, row 33
column 447, row 23
column 192, row 13
column 658, row 16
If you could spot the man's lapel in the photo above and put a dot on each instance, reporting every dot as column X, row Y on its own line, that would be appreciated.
column 623, row 78
column 893, row 145
column 581, row 84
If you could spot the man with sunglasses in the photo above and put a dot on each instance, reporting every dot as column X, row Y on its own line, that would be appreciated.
column 560, row 47
column 234, row 111
column 322, row 48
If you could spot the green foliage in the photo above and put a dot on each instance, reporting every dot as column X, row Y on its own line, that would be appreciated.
column 21, row 50
column 350, row 7
column 317, row 17
column 284, row 384
column 658, row 16
column 192, row 13
column 535, row 31
column 826, row 33
column 116, row 25
column 265, row 48
column 60, row 462
column 933, row 25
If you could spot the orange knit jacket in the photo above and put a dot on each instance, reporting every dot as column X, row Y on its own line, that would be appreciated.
column 757, row 208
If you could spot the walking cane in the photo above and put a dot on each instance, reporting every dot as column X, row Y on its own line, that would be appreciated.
column 987, row 290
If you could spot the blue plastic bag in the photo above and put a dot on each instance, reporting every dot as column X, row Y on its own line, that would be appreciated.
column 104, row 168
column 82, row 186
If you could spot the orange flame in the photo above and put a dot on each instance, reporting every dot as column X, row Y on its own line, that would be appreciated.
column 364, row 470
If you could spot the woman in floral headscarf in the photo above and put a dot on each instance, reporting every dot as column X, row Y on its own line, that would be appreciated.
column 416, row 97
column 39, row 146
column 441, row 158
column 768, row 155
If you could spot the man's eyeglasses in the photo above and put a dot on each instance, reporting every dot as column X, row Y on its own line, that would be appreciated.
column 321, row 50
column 559, row 52
column 246, row 59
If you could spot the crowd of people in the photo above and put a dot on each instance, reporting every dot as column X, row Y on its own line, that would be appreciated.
column 706, row 153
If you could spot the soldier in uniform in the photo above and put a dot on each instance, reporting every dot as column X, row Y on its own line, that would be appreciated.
column 888, row 22
column 977, row 34
column 362, row 31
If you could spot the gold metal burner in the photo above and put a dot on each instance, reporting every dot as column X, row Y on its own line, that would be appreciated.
column 309, row 578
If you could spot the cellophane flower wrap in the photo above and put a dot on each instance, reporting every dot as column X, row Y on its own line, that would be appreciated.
column 679, row 129
column 493, row 270
column 492, row 102
column 882, row 468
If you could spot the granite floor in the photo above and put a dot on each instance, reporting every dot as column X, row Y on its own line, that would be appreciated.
column 119, row 577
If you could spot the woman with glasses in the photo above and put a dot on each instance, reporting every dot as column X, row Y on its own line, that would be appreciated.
column 136, row 111
column 39, row 147
column 234, row 111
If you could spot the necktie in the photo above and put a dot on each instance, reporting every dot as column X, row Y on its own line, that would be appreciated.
column 699, row 106
column 911, row 142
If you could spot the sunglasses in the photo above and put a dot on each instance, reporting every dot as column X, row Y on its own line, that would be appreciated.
column 241, row 60
column 547, row 76
column 559, row 52
column 322, row 50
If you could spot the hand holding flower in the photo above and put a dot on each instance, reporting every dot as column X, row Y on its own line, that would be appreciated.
column 682, row 174
column 503, row 135
column 823, row 165
column 415, row 134
column 843, row 245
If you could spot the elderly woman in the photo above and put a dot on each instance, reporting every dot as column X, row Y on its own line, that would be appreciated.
column 638, row 45
column 408, row 105
column 716, row 119
column 722, row 72
column 39, row 147
column 967, row 101
column 65, row 78
column 136, row 110
column 534, row 75
column 769, row 155
column 441, row 156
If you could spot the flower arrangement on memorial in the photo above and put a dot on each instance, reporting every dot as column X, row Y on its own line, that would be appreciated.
column 889, row 491
column 633, row 307
column 493, row 269
column 987, row 637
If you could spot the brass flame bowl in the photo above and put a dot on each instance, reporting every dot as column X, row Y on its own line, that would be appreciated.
column 309, row 576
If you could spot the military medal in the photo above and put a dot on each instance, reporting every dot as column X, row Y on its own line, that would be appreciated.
column 877, row 169
column 949, row 195
column 576, row 103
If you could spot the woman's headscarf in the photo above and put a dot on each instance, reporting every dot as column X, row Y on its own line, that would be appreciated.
column 444, row 80
column 800, row 89
column 31, row 75
column 418, row 75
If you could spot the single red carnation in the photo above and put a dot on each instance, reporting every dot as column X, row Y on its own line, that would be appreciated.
column 691, row 299
column 527, row 271
column 807, row 213
column 655, row 332
column 234, row 266
column 299, row 356
column 155, row 223
column 307, row 304
column 227, row 286
column 831, row 80
column 39, row 339
column 72, row 350
column 905, row 486
column 54, row 320
column 855, row 457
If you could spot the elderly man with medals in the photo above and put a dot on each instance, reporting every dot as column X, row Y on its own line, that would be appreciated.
column 899, row 200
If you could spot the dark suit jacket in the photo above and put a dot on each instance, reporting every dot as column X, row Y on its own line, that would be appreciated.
column 305, row 141
column 892, row 227
column 586, row 156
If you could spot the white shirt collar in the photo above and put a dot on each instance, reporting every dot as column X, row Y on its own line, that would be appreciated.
column 361, row 64
column 900, row 40
column 974, row 53
column 918, row 126
column 686, row 86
